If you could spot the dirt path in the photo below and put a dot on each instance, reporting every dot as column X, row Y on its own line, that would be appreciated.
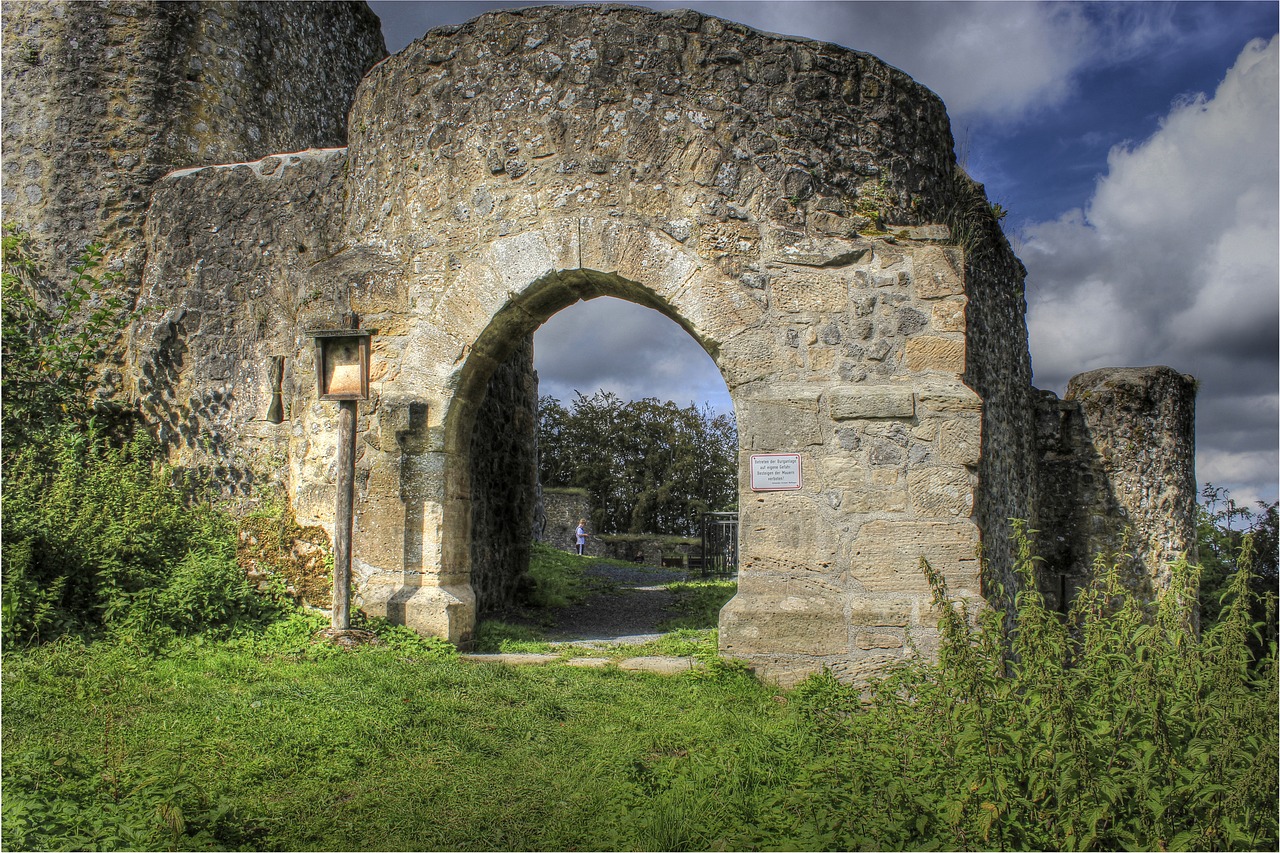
column 632, row 603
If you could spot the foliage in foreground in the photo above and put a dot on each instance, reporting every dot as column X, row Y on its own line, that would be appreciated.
column 97, row 541
column 273, row 741
column 1120, row 729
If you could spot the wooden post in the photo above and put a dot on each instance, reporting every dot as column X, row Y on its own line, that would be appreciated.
column 344, row 516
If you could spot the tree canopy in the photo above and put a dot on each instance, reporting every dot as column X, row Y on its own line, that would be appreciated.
column 649, row 466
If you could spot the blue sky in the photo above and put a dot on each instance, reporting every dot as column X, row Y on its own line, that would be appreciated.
column 1136, row 148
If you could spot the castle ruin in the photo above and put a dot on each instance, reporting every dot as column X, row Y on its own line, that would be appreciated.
column 795, row 206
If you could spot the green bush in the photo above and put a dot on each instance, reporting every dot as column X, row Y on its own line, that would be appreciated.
column 1119, row 728
column 100, row 541
column 96, row 537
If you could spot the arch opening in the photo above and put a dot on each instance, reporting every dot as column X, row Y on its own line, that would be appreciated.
column 495, row 490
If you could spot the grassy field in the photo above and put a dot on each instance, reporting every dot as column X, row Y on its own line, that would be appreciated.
column 277, row 743
column 1137, row 734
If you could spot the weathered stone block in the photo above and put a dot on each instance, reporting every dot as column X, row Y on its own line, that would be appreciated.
column 939, row 272
column 880, row 640
column 780, row 425
column 940, row 493
column 793, row 624
column 961, row 440
column 948, row 315
column 872, row 401
column 932, row 353
column 820, row 293
column 886, row 555
column 946, row 399
column 882, row 611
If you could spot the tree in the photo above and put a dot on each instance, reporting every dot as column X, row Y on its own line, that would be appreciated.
column 649, row 466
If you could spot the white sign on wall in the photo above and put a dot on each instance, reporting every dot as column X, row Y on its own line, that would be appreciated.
column 775, row 472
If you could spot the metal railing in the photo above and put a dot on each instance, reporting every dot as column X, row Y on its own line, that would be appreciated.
column 719, row 543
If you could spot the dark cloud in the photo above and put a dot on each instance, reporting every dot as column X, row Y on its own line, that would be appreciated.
column 612, row 345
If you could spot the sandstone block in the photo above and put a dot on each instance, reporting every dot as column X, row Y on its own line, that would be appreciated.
column 933, row 353
column 947, row 398
column 961, row 440
column 821, row 293
column 940, row 493
column 886, row 555
column 657, row 665
column 948, row 315
column 872, row 401
column 874, row 499
column 869, row 640
column 939, row 272
column 882, row 611
column 447, row 612
column 784, row 625
column 779, row 425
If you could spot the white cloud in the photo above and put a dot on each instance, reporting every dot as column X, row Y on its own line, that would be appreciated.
column 1176, row 260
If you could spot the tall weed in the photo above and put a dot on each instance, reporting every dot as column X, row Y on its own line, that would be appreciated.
column 1118, row 728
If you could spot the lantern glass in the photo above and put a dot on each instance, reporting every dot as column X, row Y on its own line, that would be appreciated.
column 342, row 364
column 343, row 372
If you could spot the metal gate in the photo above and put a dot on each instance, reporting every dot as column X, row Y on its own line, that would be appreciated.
column 719, row 543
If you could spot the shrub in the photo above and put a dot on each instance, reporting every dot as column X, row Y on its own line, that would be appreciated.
column 96, row 538
column 1119, row 728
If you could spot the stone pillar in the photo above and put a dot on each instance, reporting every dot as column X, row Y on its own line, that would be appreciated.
column 1141, row 426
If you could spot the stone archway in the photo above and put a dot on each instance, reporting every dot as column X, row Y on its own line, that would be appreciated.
column 797, row 204
column 500, row 171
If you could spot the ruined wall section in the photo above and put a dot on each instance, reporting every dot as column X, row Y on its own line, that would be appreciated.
column 998, row 367
column 238, row 266
column 475, row 129
column 1116, row 478
column 103, row 99
column 775, row 196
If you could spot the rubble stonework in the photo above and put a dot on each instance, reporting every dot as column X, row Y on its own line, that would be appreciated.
column 794, row 206
column 103, row 99
column 1117, row 477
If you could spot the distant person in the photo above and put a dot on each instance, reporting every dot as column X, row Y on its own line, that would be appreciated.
column 581, row 534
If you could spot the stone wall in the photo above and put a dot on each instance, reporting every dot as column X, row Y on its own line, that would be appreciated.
column 651, row 550
column 237, row 273
column 504, row 470
column 503, row 170
column 564, row 507
column 102, row 99
column 794, row 206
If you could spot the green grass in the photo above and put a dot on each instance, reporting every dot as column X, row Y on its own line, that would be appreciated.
column 558, row 576
column 275, row 743
column 699, row 603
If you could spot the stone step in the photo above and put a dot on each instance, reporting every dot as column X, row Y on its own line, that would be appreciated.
column 654, row 663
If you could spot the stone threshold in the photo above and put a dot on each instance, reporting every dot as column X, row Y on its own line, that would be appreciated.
column 654, row 664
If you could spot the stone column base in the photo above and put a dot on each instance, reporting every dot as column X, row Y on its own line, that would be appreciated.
column 447, row 611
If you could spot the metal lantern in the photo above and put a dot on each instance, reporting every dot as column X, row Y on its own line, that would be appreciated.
column 342, row 375
column 342, row 363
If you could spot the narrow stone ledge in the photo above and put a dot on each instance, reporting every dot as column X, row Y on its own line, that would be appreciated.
column 655, row 664
column 659, row 665
column 511, row 659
